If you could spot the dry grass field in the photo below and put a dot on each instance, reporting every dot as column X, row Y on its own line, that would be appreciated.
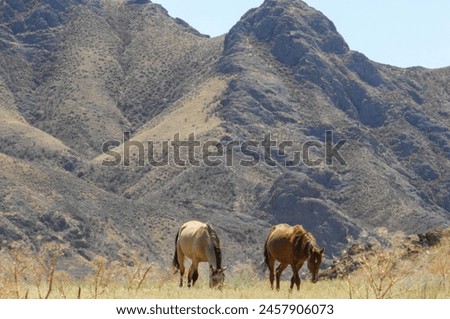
column 394, row 272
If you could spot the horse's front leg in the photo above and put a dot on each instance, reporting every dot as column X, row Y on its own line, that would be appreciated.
column 295, row 276
column 280, row 269
column 298, row 281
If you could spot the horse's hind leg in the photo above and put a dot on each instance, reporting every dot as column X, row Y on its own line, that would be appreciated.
column 280, row 269
column 271, row 266
column 193, row 274
column 189, row 277
column 180, row 256
column 194, row 277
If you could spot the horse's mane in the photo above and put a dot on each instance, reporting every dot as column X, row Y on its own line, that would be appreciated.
column 216, row 244
column 310, row 239
column 304, row 240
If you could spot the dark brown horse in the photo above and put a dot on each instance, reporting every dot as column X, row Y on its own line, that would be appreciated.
column 292, row 245
column 199, row 242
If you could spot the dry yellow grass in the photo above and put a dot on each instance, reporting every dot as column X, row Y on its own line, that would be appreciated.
column 235, row 288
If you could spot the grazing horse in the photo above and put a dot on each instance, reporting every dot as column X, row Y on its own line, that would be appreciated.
column 200, row 243
column 291, row 245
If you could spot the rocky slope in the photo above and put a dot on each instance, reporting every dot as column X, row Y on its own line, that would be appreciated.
column 77, row 73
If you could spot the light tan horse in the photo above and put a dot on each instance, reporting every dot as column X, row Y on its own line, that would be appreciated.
column 199, row 242
column 291, row 245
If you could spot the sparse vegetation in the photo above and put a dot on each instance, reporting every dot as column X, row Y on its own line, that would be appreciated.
column 397, row 270
column 383, row 270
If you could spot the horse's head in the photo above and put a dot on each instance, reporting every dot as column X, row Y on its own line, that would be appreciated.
column 314, row 261
column 216, row 277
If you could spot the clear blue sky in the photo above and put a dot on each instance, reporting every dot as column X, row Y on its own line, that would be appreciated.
column 397, row 32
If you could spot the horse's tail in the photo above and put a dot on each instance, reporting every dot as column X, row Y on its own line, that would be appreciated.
column 175, row 263
column 266, row 253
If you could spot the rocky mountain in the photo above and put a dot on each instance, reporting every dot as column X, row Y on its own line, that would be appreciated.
column 75, row 74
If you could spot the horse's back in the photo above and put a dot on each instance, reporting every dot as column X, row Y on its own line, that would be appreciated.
column 191, row 228
column 280, row 241
column 286, row 231
column 191, row 238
